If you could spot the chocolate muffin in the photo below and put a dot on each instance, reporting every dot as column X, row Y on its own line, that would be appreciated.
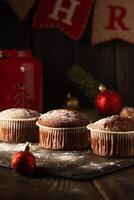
column 63, row 129
column 19, row 125
column 113, row 136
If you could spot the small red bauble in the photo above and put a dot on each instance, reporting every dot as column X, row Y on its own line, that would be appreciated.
column 23, row 162
column 108, row 102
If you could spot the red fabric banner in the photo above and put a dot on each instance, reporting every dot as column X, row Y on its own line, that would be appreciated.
column 113, row 19
column 70, row 16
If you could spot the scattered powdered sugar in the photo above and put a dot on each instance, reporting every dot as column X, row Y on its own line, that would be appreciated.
column 79, row 165
column 12, row 147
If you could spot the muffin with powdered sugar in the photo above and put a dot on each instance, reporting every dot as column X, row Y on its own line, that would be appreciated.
column 63, row 129
column 113, row 136
column 18, row 125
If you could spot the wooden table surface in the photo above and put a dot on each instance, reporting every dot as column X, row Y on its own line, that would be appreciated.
column 118, row 185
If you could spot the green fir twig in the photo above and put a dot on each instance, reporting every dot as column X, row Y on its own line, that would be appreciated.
column 84, row 82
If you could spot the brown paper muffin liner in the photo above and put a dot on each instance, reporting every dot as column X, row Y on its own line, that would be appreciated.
column 17, row 131
column 63, row 138
column 112, row 144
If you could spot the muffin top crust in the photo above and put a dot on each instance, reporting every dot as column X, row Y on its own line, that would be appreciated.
column 18, row 113
column 113, row 123
column 63, row 118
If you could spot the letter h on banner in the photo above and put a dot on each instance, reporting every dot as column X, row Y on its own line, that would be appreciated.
column 69, row 16
column 69, row 11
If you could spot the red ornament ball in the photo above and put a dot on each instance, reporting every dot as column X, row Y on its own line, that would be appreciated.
column 23, row 162
column 108, row 102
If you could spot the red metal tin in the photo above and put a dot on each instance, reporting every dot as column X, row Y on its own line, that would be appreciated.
column 20, row 80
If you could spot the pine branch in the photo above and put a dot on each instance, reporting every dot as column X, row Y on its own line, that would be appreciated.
column 84, row 81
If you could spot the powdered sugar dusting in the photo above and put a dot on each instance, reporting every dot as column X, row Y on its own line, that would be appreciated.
column 64, row 118
column 63, row 114
column 18, row 113
column 114, row 123
column 98, row 124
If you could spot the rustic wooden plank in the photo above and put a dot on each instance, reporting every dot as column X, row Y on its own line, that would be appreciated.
column 99, row 60
column 124, row 71
column 117, row 186
column 55, row 51
column 13, row 32
column 15, row 186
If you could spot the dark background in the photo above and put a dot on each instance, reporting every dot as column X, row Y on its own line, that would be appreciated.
column 111, row 63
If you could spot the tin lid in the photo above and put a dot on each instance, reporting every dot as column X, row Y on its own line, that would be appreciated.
column 16, row 53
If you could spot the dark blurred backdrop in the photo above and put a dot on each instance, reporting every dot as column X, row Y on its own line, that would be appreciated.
column 112, row 63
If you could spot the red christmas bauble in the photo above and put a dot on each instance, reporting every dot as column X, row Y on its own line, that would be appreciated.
column 108, row 102
column 23, row 162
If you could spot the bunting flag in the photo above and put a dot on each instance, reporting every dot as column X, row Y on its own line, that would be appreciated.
column 113, row 19
column 21, row 7
column 69, row 16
